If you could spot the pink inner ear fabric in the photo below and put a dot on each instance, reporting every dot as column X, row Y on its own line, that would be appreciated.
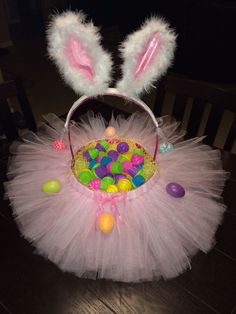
column 146, row 57
column 78, row 56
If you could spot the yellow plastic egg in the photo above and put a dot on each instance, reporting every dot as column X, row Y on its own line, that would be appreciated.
column 112, row 188
column 110, row 131
column 105, row 222
column 128, row 156
column 124, row 185
column 51, row 186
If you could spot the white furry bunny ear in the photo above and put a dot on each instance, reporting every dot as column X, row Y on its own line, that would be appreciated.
column 75, row 47
column 147, row 54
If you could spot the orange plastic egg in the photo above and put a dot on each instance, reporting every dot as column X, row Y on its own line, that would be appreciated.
column 110, row 131
column 105, row 222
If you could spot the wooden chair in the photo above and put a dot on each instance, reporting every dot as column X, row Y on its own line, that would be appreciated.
column 14, row 89
column 201, row 93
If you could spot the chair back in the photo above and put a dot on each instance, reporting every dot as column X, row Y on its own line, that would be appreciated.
column 202, row 94
column 14, row 89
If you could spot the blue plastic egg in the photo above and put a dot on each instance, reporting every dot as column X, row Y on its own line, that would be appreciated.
column 165, row 147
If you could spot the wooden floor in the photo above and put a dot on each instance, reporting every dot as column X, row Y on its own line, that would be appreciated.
column 31, row 284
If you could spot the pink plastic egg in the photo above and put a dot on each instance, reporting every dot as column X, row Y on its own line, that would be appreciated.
column 58, row 145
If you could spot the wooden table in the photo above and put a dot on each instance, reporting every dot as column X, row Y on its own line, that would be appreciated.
column 29, row 284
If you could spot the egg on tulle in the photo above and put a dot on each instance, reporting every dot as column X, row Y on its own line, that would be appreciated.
column 105, row 222
column 165, row 147
column 51, row 186
column 110, row 131
column 58, row 145
column 175, row 189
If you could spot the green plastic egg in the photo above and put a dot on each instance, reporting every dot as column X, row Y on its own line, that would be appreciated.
column 51, row 186
column 93, row 152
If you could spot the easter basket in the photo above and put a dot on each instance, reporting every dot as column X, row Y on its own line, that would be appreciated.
column 130, row 200
column 112, row 164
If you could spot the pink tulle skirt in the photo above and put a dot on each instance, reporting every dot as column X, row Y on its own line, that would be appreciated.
column 157, row 234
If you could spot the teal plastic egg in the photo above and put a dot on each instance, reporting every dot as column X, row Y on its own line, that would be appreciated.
column 165, row 147
column 51, row 186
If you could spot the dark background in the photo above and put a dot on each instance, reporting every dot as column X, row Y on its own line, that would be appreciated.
column 206, row 29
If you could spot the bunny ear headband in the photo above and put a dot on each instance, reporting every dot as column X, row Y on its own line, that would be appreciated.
column 74, row 45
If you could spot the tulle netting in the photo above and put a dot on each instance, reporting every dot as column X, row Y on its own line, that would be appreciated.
column 157, row 234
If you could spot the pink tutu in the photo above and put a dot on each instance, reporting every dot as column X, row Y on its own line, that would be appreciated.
column 157, row 234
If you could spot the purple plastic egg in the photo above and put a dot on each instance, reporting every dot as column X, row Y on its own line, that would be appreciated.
column 101, row 171
column 100, row 147
column 175, row 189
column 133, row 171
column 122, row 147
column 113, row 154
column 87, row 156
column 119, row 176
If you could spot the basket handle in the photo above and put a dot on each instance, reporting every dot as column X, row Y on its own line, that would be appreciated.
column 110, row 92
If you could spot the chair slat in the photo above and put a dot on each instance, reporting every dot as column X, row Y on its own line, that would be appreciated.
column 195, row 89
column 231, row 136
column 179, row 107
column 25, row 105
column 213, row 123
column 7, row 121
column 202, row 93
column 8, row 90
column 195, row 118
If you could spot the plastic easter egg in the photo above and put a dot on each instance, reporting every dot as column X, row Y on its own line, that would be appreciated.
column 105, row 222
column 112, row 188
column 124, row 185
column 86, row 175
column 138, row 180
column 102, row 154
column 175, row 189
column 119, row 176
column 139, row 151
column 101, row 171
column 94, row 184
column 105, row 160
column 126, row 165
column 113, row 154
column 58, row 145
column 106, row 181
column 127, row 155
column 115, row 167
column 141, row 172
column 105, row 144
column 110, row 131
column 52, row 186
column 100, row 147
column 122, row 158
column 122, row 147
column 133, row 171
column 137, row 159
column 99, row 158
column 165, row 147
column 92, row 163
column 87, row 156
column 93, row 152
